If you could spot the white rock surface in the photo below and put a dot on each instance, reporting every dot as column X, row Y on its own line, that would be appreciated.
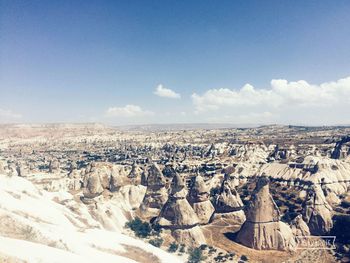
column 40, row 226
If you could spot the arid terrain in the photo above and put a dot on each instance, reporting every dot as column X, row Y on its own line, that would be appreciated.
column 95, row 193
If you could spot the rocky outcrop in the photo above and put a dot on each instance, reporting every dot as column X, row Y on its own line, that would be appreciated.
column 299, row 227
column 277, row 154
column 133, row 195
column 228, row 207
column 118, row 178
column 317, row 212
column 92, row 185
column 98, row 177
column 135, row 173
column 199, row 200
column 341, row 149
column 12, row 170
column 178, row 216
column 75, row 178
column 21, row 170
column 263, row 229
column 2, row 168
column 156, row 194
column 54, row 166
column 169, row 170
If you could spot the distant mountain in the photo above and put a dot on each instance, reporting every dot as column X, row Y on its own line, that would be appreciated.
column 183, row 126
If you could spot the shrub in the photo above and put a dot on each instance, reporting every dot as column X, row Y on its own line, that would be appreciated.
column 157, row 242
column 157, row 229
column 203, row 247
column 279, row 203
column 244, row 258
column 299, row 200
column 196, row 255
column 173, row 247
column 141, row 229
column 212, row 250
column 219, row 259
column 232, row 254
column 215, row 191
column 182, row 248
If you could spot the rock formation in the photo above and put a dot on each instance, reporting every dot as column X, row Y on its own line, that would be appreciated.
column 156, row 194
column 21, row 171
column 2, row 169
column 341, row 149
column 92, row 185
column 135, row 174
column 199, row 199
column 169, row 170
column 54, row 166
column 299, row 227
column 12, row 170
column 228, row 207
column 317, row 212
column 119, row 177
column 263, row 228
column 178, row 216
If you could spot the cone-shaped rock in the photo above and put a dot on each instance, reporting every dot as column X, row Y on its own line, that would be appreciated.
column 92, row 185
column 262, row 229
column 317, row 212
column 135, row 172
column 20, row 168
column 54, row 166
column 156, row 194
column 228, row 207
column 177, row 212
column 228, row 199
column 199, row 199
column 299, row 227
column 178, row 215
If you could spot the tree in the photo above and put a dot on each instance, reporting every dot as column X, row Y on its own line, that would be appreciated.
column 141, row 229
column 157, row 242
column 173, row 247
column 196, row 255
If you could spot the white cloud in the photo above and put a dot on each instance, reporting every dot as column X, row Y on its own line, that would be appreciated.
column 166, row 93
column 128, row 111
column 8, row 115
column 291, row 101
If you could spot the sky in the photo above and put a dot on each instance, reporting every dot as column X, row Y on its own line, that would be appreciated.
column 195, row 61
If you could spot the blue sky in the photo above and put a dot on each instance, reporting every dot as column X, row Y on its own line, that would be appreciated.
column 78, row 61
